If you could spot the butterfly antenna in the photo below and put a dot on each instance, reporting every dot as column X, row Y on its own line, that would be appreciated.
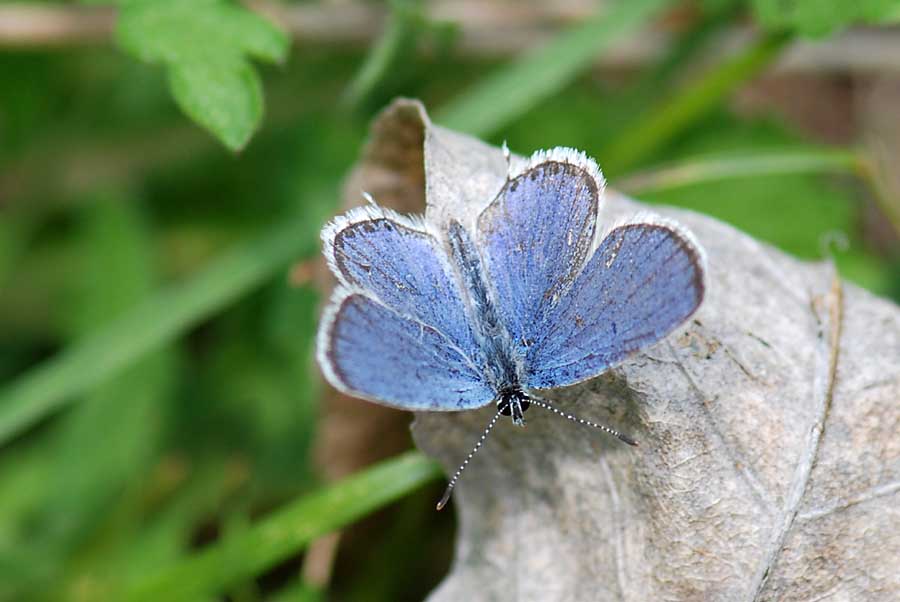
column 543, row 404
column 446, row 497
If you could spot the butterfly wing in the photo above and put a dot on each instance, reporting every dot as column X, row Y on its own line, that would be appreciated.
column 368, row 350
column 641, row 283
column 396, row 331
column 536, row 236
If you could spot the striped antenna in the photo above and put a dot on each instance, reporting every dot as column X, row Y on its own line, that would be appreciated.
column 543, row 404
column 462, row 467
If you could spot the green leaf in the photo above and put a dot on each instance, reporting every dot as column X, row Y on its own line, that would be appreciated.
column 821, row 17
column 224, row 98
column 287, row 531
column 206, row 45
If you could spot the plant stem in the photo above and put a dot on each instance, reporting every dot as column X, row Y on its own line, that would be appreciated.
column 715, row 168
column 395, row 44
column 870, row 170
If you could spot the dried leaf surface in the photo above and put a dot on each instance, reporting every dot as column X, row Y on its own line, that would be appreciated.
column 769, row 465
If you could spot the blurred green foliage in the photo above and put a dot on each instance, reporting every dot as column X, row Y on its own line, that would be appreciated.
column 158, row 397
column 205, row 45
column 820, row 17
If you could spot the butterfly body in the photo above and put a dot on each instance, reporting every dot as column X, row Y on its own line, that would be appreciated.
column 501, row 365
column 513, row 401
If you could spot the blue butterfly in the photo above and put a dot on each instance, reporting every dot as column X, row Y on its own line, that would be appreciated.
column 525, row 296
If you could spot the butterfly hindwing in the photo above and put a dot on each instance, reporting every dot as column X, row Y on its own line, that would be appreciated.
column 642, row 282
column 370, row 351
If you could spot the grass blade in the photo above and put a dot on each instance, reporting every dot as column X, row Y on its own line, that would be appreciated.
column 395, row 44
column 498, row 99
column 287, row 531
column 158, row 320
column 118, row 271
column 676, row 114
column 715, row 168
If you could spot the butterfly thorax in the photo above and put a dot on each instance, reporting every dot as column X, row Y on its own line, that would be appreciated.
column 501, row 367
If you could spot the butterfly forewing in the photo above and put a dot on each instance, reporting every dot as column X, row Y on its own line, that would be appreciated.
column 535, row 237
column 403, row 266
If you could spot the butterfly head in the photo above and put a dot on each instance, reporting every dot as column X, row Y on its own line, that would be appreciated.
column 512, row 401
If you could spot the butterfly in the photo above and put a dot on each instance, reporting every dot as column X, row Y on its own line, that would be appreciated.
column 524, row 296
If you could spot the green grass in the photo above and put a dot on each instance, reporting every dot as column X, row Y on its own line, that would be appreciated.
column 286, row 531
column 153, row 322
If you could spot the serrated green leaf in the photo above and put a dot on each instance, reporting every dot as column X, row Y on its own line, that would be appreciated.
column 225, row 98
column 821, row 17
column 175, row 30
column 207, row 46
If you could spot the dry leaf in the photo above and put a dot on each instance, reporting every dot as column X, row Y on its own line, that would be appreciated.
column 769, row 465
